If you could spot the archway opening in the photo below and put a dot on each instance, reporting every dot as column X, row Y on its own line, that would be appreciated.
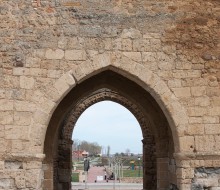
column 158, row 146
column 109, row 136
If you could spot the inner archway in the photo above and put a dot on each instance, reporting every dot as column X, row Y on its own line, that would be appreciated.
column 108, row 124
column 111, row 137
column 158, row 147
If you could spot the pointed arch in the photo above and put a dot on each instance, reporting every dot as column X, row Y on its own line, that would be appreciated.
column 173, row 110
column 135, row 74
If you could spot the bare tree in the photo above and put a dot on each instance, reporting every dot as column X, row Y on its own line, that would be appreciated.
column 76, row 144
column 93, row 148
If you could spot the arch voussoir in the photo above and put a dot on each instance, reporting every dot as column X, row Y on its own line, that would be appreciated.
column 101, row 95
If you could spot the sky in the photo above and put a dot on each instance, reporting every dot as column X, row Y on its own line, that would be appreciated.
column 109, row 123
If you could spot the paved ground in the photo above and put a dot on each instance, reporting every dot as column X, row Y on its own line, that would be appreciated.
column 103, row 185
column 94, row 172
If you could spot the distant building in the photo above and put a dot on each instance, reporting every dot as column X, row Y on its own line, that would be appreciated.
column 84, row 153
column 79, row 154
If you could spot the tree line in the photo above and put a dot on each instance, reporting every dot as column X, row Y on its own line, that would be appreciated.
column 93, row 148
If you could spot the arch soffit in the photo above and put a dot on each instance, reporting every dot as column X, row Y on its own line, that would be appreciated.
column 98, row 96
column 174, row 112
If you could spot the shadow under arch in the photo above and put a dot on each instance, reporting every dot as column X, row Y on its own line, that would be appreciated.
column 158, row 145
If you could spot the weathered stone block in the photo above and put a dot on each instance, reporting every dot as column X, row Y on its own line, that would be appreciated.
column 195, row 129
column 212, row 129
column 50, row 64
column 2, row 165
column 185, row 173
column 54, row 54
column 18, row 146
column 152, row 35
column 214, row 111
column 135, row 56
column 32, row 165
column 27, row 82
column 13, row 165
column 33, row 178
column 215, row 101
column 213, row 91
column 16, row 94
column 196, row 111
column 2, row 93
column 187, row 143
column 6, row 105
column 21, row 71
column 63, row 84
column 7, row 183
column 204, row 143
column 126, row 45
column 100, row 61
column 14, row 132
column 22, row 118
column 163, row 65
column 24, row 106
column 193, row 120
column 20, row 182
column 32, row 62
column 174, row 83
column 202, row 101
column 40, row 117
column 149, row 56
column 182, row 92
column 131, row 33
column 6, row 117
column 160, row 88
column 198, row 91
column 35, row 96
column 36, row 72
column 53, row 95
column 75, row 55
column 217, row 143
column 53, row 74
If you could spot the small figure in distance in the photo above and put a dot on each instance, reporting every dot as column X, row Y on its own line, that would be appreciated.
column 111, row 177
column 105, row 175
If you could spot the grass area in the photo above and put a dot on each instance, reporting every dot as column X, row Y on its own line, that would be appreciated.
column 132, row 173
column 80, row 167
column 75, row 177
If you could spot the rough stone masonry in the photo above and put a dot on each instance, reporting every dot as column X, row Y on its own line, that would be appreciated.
column 171, row 47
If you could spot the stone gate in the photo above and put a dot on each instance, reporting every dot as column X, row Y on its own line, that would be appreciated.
column 158, row 58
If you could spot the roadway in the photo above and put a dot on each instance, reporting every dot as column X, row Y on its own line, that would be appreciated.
column 107, row 186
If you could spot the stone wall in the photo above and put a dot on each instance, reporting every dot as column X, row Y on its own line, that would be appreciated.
column 206, row 178
column 170, row 48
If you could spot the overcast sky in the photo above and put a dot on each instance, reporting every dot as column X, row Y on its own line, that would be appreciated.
column 109, row 123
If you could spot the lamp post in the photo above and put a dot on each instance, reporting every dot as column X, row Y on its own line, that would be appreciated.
column 139, row 168
column 78, row 151
column 86, row 169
